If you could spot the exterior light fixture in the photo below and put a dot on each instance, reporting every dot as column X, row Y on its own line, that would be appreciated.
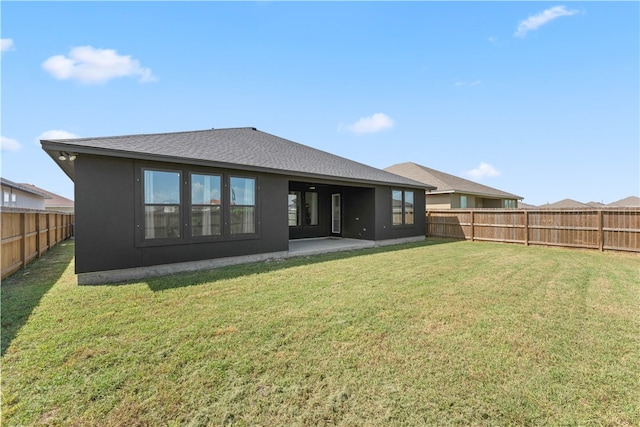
column 67, row 156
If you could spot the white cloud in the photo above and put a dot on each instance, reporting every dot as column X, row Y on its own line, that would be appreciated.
column 375, row 123
column 8, row 144
column 483, row 171
column 56, row 134
column 6, row 45
column 91, row 65
column 536, row 21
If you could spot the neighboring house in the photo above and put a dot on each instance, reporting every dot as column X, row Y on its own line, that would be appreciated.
column 522, row 205
column 150, row 202
column 20, row 196
column 595, row 204
column 452, row 192
column 564, row 204
column 627, row 202
column 54, row 202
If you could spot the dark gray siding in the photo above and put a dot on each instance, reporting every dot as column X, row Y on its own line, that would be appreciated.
column 384, row 229
column 109, row 205
column 104, row 203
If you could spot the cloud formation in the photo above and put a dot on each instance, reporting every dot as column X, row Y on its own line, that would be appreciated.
column 536, row 21
column 483, row 171
column 91, row 65
column 372, row 124
column 8, row 144
column 56, row 134
column 6, row 45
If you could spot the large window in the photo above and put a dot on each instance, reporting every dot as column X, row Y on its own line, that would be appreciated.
column 184, row 206
column 206, row 205
column 243, row 205
column 303, row 208
column 402, row 208
column 161, row 204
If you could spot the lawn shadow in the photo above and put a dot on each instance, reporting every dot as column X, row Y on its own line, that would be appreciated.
column 21, row 292
column 181, row 280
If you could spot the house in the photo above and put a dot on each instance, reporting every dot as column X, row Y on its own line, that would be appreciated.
column 20, row 196
column 627, row 202
column 453, row 192
column 159, row 203
column 54, row 202
column 564, row 204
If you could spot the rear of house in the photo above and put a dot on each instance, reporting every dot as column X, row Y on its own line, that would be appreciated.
column 152, row 204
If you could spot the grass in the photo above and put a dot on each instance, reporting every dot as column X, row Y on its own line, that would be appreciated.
column 434, row 333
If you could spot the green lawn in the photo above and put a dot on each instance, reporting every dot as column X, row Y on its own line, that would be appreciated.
column 434, row 333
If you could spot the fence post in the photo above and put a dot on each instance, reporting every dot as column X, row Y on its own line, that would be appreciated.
column 600, row 231
column 526, row 228
column 37, row 235
column 23, row 241
column 472, row 220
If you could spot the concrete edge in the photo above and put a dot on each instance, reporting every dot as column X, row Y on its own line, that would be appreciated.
column 137, row 273
column 400, row 241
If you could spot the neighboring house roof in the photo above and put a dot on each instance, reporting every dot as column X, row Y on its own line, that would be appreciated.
column 627, row 202
column 564, row 204
column 54, row 200
column 595, row 204
column 23, row 187
column 446, row 183
column 525, row 206
column 238, row 148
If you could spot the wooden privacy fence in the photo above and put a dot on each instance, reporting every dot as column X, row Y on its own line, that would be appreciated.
column 27, row 234
column 603, row 229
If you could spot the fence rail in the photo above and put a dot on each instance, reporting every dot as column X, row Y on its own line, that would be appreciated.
column 603, row 229
column 27, row 234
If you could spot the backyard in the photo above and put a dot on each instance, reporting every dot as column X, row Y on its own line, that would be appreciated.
column 433, row 333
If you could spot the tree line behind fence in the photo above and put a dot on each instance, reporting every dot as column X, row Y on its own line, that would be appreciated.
column 27, row 235
column 603, row 229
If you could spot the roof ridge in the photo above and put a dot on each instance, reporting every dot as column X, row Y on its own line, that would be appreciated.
column 147, row 134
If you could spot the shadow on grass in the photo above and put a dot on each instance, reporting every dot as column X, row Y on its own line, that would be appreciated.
column 21, row 292
column 181, row 280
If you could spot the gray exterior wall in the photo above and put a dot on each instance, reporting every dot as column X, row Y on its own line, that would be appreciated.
column 109, row 216
column 23, row 199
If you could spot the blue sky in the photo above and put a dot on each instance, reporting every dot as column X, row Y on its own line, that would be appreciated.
column 540, row 99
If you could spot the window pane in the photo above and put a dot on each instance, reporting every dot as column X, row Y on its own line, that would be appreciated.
column 161, row 222
column 396, row 206
column 243, row 191
column 206, row 221
column 294, row 208
column 408, row 207
column 311, row 208
column 463, row 201
column 205, row 190
column 243, row 219
column 161, row 187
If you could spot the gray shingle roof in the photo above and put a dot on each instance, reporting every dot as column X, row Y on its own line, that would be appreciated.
column 446, row 183
column 564, row 204
column 628, row 202
column 244, row 148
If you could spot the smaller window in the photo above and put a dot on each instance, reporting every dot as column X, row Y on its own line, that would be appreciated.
column 408, row 207
column 463, row 202
column 161, row 204
column 511, row 204
column 243, row 205
column 402, row 208
column 396, row 206
column 7, row 196
column 294, row 208
column 206, row 215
